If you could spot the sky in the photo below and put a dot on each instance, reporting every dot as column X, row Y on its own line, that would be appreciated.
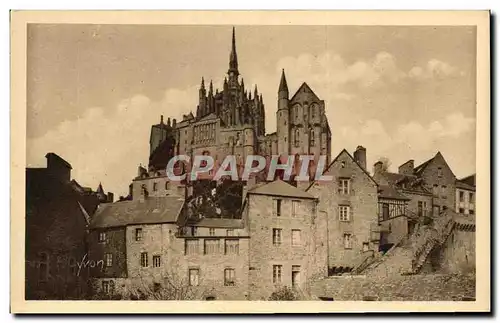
column 402, row 92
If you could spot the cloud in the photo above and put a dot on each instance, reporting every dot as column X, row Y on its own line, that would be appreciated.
column 108, row 147
column 434, row 69
column 408, row 140
column 107, row 143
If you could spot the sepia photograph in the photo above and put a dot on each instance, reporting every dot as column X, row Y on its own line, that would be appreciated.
column 286, row 158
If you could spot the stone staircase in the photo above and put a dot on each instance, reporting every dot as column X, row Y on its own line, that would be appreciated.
column 429, row 237
column 410, row 253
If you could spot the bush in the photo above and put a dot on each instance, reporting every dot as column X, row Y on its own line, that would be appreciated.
column 283, row 294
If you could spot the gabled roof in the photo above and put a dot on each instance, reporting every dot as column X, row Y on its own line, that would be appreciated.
column 420, row 168
column 389, row 192
column 305, row 88
column 150, row 211
column 209, row 116
column 84, row 213
column 333, row 162
column 395, row 179
column 280, row 188
column 469, row 180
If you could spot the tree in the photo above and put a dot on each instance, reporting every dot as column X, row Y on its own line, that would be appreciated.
column 386, row 163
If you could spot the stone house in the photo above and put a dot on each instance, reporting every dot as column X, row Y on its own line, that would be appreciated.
column 350, row 203
column 287, row 245
column 147, row 245
column 466, row 195
column 438, row 178
column 57, row 215
column 131, row 243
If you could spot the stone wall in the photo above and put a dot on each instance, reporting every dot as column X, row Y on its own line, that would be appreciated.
column 435, row 287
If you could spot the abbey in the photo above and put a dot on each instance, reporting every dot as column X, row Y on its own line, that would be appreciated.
column 232, row 122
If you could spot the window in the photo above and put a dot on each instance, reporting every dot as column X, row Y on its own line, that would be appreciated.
column 435, row 189
column 102, row 236
column 297, row 138
column 109, row 259
column 347, row 240
column 443, row 191
column 345, row 186
column 211, row 246
column 232, row 247
column 440, row 172
column 312, row 138
column 296, row 241
column 155, row 187
column 43, row 268
column 138, row 234
column 144, row 259
column 461, row 210
column 229, row 277
column 471, row 197
column 342, row 164
column 194, row 276
column 156, row 261
column 211, row 231
column 313, row 111
column 366, row 246
column 191, row 247
column 194, row 231
column 295, row 276
column 166, row 185
column 296, row 112
column 420, row 209
column 385, row 211
column 276, row 236
column 295, row 208
column 461, row 196
column 105, row 286
column 344, row 213
column 471, row 211
column 277, row 207
column 230, row 232
column 277, row 269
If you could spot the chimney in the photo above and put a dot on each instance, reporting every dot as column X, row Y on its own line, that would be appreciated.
column 174, row 123
column 360, row 156
column 58, row 167
column 377, row 167
column 407, row 168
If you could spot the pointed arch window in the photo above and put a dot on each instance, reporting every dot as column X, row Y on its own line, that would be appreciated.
column 312, row 138
column 296, row 112
column 313, row 111
column 297, row 138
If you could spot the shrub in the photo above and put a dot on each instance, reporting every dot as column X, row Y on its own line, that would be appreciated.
column 283, row 294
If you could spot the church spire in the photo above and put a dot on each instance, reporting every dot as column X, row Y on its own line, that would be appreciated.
column 283, row 86
column 233, row 58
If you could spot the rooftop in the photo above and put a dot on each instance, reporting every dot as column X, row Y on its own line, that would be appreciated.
column 280, row 188
column 150, row 211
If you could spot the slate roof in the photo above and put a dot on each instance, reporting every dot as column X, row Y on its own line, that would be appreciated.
column 464, row 185
column 150, row 211
column 219, row 223
column 389, row 192
column 420, row 168
column 468, row 183
column 280, row 188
